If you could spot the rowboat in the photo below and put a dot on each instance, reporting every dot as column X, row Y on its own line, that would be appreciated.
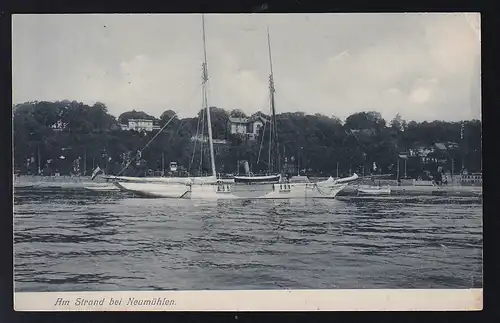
column 374, row 190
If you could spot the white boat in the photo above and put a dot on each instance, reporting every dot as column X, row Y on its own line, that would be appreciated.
column 163, row 180
column 266, row 191
column 174, row 187
column 167, row 190
column 160, row 179
column 226, row 191
column 211, row 188
column 374, row 190
column 126, row 183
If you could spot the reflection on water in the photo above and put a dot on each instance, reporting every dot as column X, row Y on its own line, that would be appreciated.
column 82, row 240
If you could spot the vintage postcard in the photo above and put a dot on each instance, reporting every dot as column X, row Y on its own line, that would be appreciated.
column 247, row 162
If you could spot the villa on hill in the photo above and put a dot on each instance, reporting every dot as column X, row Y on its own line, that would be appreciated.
column 140, row 125
column 248, row 127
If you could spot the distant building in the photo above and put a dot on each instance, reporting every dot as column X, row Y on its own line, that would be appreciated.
column 421, row 151
column 58, row 126
column 204, row 139
column 436, row 153
column 249, row 127
column 140, row 125
column 471, row 179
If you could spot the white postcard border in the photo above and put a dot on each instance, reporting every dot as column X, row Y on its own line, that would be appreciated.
column 255, row 300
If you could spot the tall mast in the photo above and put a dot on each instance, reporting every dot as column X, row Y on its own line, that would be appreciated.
column 205, row 99
column 162, row 164
column 84, row 161
column 273, row 130
column 39, row 162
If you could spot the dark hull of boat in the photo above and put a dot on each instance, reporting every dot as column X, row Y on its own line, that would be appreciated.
column 257, row 179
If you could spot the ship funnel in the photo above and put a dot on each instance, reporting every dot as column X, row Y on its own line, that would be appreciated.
column 247, row 167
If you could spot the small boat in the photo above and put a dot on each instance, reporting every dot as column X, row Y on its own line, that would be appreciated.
column 250, row 178
column 374, row 190
column 266, row 179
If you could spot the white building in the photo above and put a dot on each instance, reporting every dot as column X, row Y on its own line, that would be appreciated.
column 248, row 127
column 204, row 139
column 139, row 125
column 59, row 126
column 471, row 179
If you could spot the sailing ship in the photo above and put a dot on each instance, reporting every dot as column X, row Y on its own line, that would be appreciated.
column 175, row 187
column 250, row 178
column 211, row 188
column 273, row 139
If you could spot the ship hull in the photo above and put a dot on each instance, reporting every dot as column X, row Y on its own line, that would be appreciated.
column 164, row 180
column 269, row 179
column 233, row 191
column 159, row 190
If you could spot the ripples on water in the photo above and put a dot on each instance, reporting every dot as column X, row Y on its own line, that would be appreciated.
column 81, row 240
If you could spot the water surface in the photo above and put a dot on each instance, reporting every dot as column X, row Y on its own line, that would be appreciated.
column 78, row 240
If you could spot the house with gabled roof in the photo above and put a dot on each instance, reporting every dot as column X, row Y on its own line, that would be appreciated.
column 248, row 127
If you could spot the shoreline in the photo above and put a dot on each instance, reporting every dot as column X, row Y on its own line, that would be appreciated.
column 80, row 182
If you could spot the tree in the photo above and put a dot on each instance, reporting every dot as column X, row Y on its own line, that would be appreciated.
column 365, row 120
column 398, row 123
column 237, row 113
column 46, row 113
column 219, row 118
column 167, row 115
column 99, row 117
column 73, row 129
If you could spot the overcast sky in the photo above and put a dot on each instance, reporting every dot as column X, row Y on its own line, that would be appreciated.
column 423, row 66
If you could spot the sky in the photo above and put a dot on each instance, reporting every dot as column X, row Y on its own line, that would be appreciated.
column 422, row 66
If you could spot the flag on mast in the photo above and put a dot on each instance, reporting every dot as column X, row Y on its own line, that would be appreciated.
column 95, row 172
